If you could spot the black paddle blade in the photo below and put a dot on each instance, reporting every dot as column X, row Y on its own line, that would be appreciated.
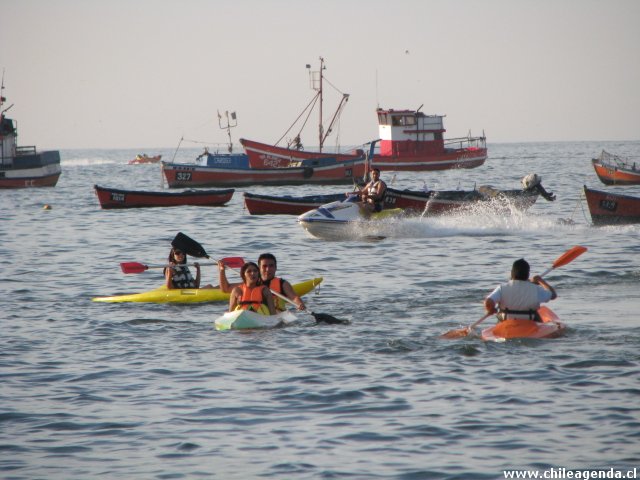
column 189, row 246
column 326, row 318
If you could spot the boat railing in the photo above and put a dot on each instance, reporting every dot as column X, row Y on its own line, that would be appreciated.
column 609, row 159
column 466, row 142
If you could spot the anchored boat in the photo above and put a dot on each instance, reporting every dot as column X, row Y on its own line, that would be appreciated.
column 611, row 208
column 615, row 170
column 23, row 167
column 110, row 198
column 410, row 140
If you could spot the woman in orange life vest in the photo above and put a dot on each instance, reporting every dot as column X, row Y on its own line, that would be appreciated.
column 268, row 267
column 252, row 294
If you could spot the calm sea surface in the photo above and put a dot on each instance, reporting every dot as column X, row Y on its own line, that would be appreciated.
column 143, row 391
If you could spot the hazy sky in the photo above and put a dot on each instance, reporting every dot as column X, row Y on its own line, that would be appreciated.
column 144, row 73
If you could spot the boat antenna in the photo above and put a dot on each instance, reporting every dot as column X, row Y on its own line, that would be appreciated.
column 228, row 126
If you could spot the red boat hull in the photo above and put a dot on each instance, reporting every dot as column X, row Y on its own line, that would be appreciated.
column 114, row 198
column 412, row 201
column 612, row 209
column 409, row 160
column 610, row 174
column 336, row 173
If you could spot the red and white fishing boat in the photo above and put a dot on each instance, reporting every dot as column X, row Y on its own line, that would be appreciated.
column 614, row 170
column 409, row 140
column 612, row 208
column 24, row 167
column 117, row 198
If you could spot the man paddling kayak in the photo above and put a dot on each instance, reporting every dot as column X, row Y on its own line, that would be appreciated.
column 519, row 298
column 268, row 265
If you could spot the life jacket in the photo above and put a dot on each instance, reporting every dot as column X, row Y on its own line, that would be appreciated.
column 252, row 299
column 276, row 284
column 182, row 277
column 372, row 190
column 521, row 296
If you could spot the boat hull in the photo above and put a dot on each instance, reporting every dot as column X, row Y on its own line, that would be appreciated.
column 262, row 153
column 286, row 205
column 314, row 172
column 36, row 170
column 612, row 174
column 612, row 209
column 249, row 320
column 192, row 295
column 550, row 327
column 112, row 198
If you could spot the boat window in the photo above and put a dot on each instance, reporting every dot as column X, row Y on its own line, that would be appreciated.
column 403, row 121
column 383, row 119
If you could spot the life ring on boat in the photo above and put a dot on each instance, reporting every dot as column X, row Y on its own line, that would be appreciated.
column 307, row 172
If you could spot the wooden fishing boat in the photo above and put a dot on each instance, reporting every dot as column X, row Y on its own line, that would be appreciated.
column 142, row 158
column 614, row 170
column 286, row 204
column 238, row 173
column 411, row 201
column 410, row 140
column 24, row 167
column 612, row 208
column 116, row 198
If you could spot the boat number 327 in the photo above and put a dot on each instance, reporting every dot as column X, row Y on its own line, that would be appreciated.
column 183, row 176
column 609, row 205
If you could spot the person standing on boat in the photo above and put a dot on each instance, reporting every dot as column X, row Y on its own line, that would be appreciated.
column 372, row 194
column 251, row 294
column 178, row 275
column 267, row 266
column 519, row 298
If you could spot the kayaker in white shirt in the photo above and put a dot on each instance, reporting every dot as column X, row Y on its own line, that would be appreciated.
column 519, row 298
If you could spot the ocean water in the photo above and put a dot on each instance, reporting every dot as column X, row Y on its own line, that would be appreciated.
column 143, row 391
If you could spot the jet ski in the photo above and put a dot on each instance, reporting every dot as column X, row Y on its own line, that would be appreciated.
column 346, row 219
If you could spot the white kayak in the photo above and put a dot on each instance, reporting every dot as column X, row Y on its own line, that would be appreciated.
column 247, row 319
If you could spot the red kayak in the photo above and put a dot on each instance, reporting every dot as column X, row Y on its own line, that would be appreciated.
column 550, row 327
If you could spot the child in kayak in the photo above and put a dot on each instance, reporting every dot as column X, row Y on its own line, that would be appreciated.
column 252, row 294
column 519, row 298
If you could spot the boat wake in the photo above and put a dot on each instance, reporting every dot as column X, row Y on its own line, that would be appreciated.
column 479, row 222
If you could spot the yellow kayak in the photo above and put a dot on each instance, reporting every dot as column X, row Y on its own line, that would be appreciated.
column 193, row 295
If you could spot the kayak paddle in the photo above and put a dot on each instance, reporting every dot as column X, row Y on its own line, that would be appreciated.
column 136, row 267
column 567, row 257
column 320, row 317
column 189, row 246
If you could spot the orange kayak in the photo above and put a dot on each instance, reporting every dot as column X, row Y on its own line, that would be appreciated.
column 550, row 327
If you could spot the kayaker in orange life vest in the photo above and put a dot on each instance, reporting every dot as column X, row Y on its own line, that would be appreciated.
column 268, row 266
column 251, row 294
column 519, row 298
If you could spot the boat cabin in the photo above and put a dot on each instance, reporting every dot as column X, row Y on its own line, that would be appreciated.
column 410, row 132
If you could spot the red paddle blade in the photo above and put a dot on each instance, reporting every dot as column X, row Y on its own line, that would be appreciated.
column 233, row 262
column 133, row 267
column 569, row 256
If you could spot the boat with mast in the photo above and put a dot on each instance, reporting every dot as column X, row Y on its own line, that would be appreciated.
column 409, row 140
